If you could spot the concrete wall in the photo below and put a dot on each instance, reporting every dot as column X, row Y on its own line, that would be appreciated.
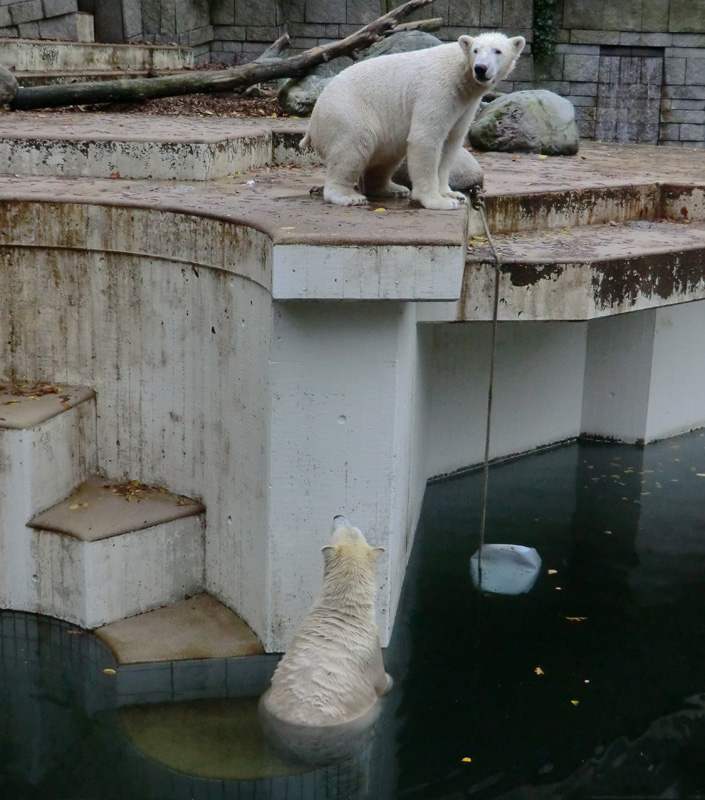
column 537, row 395
column 167, row 319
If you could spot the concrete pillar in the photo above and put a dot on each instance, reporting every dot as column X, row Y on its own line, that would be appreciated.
column 346, row 437
column 644, row 374
column 618, row 376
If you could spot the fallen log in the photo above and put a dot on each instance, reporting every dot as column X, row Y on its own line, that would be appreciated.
column 138, row 89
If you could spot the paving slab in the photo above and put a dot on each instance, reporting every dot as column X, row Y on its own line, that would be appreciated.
column 102, row 508
column 26, row 404
column 197, row 628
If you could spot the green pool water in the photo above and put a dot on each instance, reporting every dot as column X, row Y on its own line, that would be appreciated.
column 592, row 685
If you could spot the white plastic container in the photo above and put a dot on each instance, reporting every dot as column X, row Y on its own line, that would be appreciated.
column 506, row 568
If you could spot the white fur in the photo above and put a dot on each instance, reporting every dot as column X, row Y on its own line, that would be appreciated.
column 333, row 671
column 419, row 104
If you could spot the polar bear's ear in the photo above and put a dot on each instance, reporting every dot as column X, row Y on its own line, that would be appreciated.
column 379, row 550
column 329, row 555
column 465, row 43
column 518, row 43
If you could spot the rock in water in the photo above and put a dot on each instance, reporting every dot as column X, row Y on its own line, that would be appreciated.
column 506, row 568
column 535, row 121
column 8, row 86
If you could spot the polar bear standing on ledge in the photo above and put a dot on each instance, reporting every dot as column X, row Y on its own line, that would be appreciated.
column 333, row 671
column 419, row 104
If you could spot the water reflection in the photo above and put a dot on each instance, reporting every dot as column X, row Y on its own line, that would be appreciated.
column 616, row 626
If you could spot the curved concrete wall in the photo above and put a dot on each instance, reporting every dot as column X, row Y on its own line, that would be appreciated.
column 168, row 318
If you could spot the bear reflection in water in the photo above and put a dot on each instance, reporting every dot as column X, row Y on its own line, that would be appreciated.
column 324, row 697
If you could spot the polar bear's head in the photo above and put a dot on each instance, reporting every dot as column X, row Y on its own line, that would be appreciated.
column 492, row 56
column 350, row 564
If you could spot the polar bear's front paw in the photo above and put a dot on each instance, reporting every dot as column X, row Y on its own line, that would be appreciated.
column 457, row 195
column 439, row 203
column 341, row 197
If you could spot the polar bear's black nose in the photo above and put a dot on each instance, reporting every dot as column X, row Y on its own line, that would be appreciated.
column 480, row 71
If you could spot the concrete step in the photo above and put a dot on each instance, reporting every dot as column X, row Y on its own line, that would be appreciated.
column 31, row 55
column 198, row 628
column 590, row 271
column 135, row 147
column 113, row 549
column 47, row 448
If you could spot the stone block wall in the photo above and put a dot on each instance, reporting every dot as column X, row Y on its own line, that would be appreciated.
column 44, row 19
column 634, row 69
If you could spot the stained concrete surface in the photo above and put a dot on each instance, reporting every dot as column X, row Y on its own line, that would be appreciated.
column 24, row 405
column 199, row 627
column 101, row 508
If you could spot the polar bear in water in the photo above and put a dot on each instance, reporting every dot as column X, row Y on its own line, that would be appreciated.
column 333, row 672
column 418, row 104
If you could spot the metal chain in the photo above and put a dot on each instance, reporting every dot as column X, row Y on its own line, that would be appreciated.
column 477, row 202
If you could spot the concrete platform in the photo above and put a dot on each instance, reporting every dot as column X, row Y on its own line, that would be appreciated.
column 102, row 508
column 200, row 627
column 24, row 405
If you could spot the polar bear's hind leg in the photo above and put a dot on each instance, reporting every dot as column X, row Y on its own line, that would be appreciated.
column 345, row 168
column 378, row 182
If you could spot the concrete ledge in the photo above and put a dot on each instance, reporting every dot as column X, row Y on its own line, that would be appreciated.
column 34, row 55
column 587, row 272
column 24, row 405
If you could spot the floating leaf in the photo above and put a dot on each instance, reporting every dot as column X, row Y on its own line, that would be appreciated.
column 109, row 671
column 377, row 210
column 576, row 619
column 539, row 671
column 466, row 759
column 75, row 505
column 552, row 571
column 700, row 474
column 575, row 702
column 542, row 156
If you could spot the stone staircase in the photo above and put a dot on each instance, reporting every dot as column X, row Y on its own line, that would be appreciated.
column 75, row 545
column 36, row 62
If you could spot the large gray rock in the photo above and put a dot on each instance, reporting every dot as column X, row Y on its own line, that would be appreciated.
column 299, row 95
column 402, row 42
column 8, row 86
column 464, row 174
column 535, row 121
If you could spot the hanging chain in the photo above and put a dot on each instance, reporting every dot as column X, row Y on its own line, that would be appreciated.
column 478, row 203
